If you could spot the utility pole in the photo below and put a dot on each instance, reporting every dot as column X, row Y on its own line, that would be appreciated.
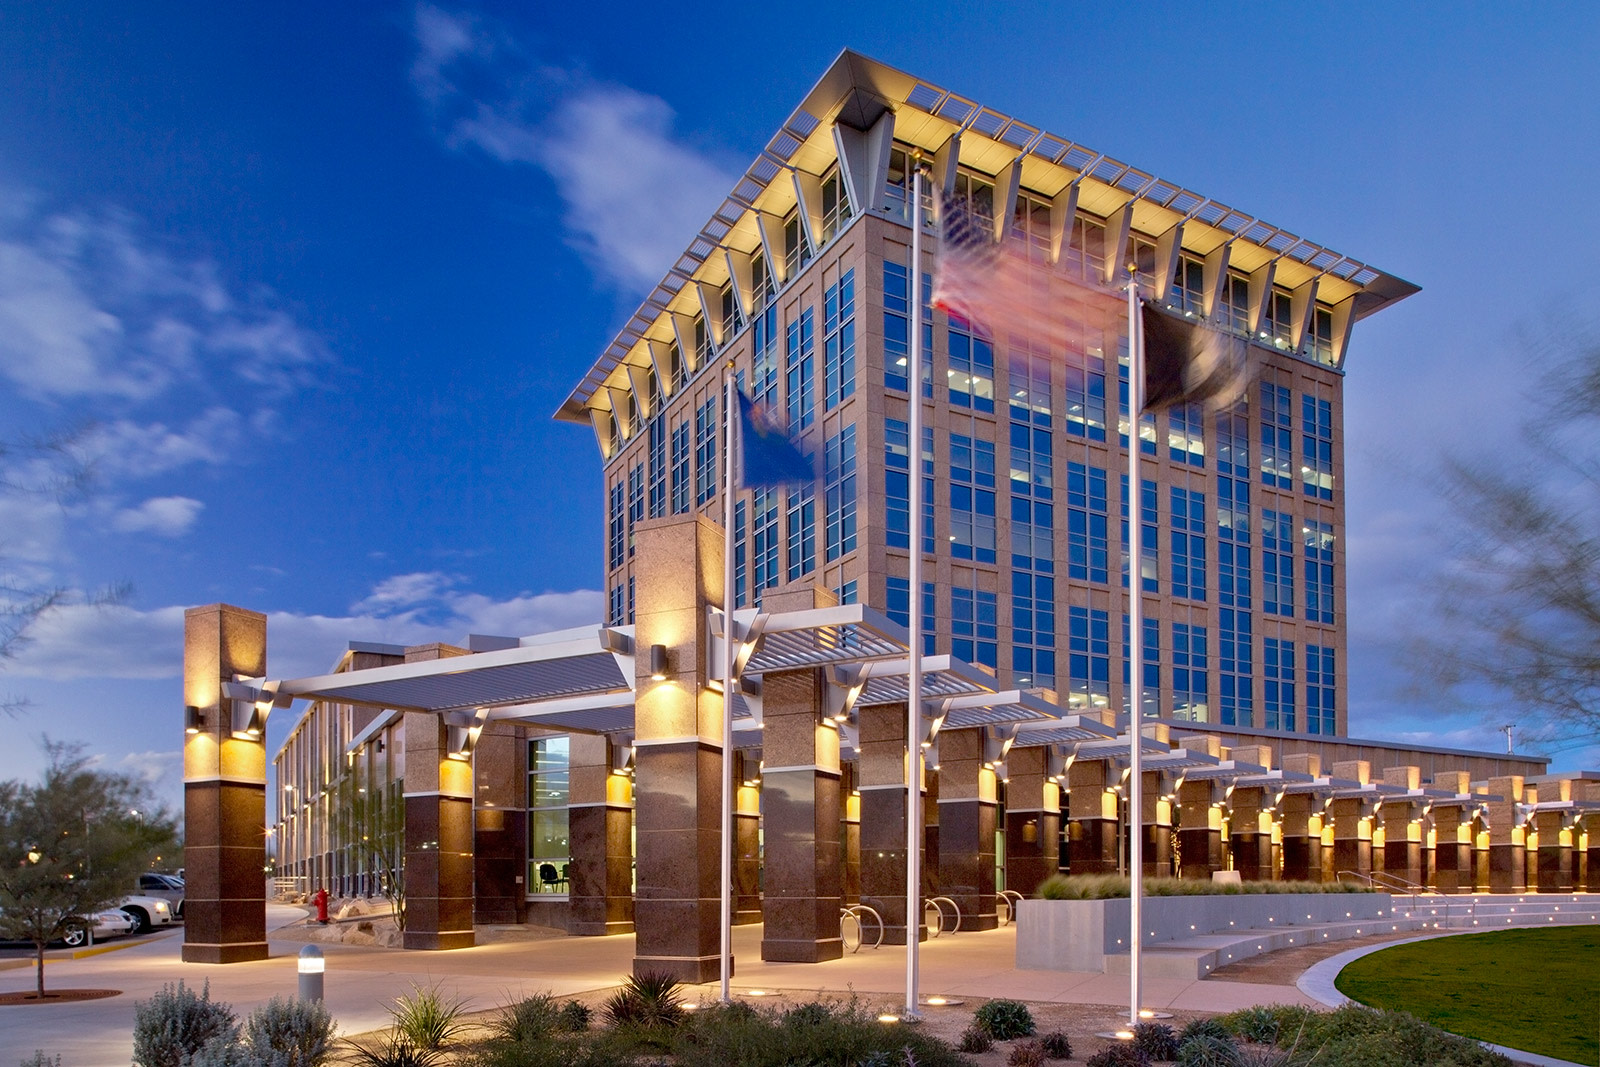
column 1507, row 730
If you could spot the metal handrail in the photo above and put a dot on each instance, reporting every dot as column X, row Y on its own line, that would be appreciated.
column 939, row 903
column 856, row 911
column 1013, row 900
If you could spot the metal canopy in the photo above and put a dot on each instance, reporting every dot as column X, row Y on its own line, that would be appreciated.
column 1116, row 749
column 1236, row 770
column 889, row 681
column 814, row 637
column 1179, row 759
column 994, row 709
column 1067, row 730
column 1323, row 786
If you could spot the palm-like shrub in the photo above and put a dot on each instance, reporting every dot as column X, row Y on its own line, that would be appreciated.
column 1004, row 1019
column 649, row 1000
column 427, row 1019
column 1157, row 1041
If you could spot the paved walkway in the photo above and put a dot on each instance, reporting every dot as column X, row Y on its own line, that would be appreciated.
column 361, row 982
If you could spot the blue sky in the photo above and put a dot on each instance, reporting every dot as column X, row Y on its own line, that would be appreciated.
column 311, row 280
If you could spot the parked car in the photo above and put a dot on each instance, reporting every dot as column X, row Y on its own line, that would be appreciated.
column 166, row 886
column 113, row 922
column 146, row 912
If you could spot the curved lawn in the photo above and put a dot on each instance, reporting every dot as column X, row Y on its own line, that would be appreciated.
column 1536, row 990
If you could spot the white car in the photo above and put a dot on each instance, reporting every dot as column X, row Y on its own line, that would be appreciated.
column 111, row 923
column 166, row 886
column 147, row 913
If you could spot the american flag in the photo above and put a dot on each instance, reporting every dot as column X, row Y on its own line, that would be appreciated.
column 992, row 284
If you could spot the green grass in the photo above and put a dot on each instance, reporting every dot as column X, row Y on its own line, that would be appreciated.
column 1536, row 990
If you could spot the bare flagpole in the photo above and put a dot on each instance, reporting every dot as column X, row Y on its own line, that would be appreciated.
column 914, row 659
column 1135, row 654
column 725, row 879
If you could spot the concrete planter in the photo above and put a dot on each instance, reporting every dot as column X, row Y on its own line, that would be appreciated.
column 1078, row 935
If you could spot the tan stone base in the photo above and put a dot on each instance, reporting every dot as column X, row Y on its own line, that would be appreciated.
column 444, row 939
column 694, row 970
column 239, row 952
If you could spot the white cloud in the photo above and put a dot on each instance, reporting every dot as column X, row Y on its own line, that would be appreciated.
column 635, row 193
column 85, row 641
column 164, row 516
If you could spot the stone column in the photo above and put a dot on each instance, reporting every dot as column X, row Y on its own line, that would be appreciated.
column 1508, row 858
column 1301, row 820
column 1556, row 860
column 968, row 810
column 1156, row 814
column 1352, row 822
column 1093, row 820
column 439, row 861
column 802, row 884
column 1402, row 827
column 882, row 767
column 677, row 752
column 1590, row 823
column 224, row 791
column 1199, row 830
column 1251, row 833
column 1452, row 832
column 850, row 832
column 500, row 824
column 746, row 840
column 600, row 829
column 1033, row 820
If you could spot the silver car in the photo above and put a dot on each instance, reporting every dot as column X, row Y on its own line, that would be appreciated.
column 146, row 912
column 110, row 923
column 166, row 886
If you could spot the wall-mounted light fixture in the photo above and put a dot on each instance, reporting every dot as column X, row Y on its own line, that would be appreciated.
column 658, row 663
column 193, row 720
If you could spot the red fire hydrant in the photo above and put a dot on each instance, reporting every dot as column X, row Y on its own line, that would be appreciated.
column 320, row 899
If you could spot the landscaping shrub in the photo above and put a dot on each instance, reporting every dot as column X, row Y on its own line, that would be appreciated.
column 811, row 1013
column 288, row 1032
column 176, row 1023
column 529, row 1019
column 842, row 1035
column 1056, row 1046
column 1258, row 1025
column 1158, row 1041
column 974, row 1039
column 1208, row 1050
column 575, row 1016
column 1109, row 886
column 1004, row 1019
column 428, row 1019
column 223, row 1052
column 1026, row 1054
column 1122, row 1054
column 1357, row 1036
column 396, row 1050
column 1199, row 1027
column 648, row 1001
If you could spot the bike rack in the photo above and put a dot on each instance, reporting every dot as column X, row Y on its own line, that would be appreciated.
column 1011, row 898
column 938, row 904
column 856, row 912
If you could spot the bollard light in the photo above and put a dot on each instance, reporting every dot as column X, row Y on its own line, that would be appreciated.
column 310, row 965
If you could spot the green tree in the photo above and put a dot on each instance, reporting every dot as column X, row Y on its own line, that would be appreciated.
column 71, row 845
column 1518, row 610
column 371, row 820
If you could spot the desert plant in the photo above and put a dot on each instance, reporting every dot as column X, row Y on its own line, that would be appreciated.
column 1056, row 1045
column 648, row 1000
column 428, row 1019
column 1122, row 1054
column 1265, row 1056
column 1026, row 1054
column 396, row 1050
column 176, row 1023
column 1203, row 1027
column 975, row 1039
column 1258, row 1025
column 1158, row 1041
column 811, row 1013
column 224, row 1052
column 849, row 1033
column 1004, row 1019
column 289, row 1032
column 575, row 1016
column 1208, row 1050
column 529, row 1019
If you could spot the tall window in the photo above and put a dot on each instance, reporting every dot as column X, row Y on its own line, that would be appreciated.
column 1278, row 696
column 800, row 529
column 1032, row 513
column 705, row 451
column 1320, row 716
column 1150, row 701
column 1233, row 304
column 1188, row 290
column 702, row 342
column 1277, row 319
column 1233, row 441
column 1316, row 447
column 764, row 356
column 1147, row 422
column 764, row 538
column 896, row 328
column 616, row 526
column 1277, row 452
column 1149, row 534
column 1186, row 440
column 1086, row 396
column 1188, row 543
column 1089, row 658
column 1030, row 226
column 1085, row 254
column 658, row 464
column 899, row 609
column 976, row 191
column 839, row 341
column 835, row 204
column 796, row 249
column 1277, row 563
column 1233, row 542
column 1319, row 341
column 800, row 370
column 549, row 792
column 1029, row 397
column 614, row 610
column 840, row 490
column 1033, row 628
column 975, row 626
column 971, row 374
column 1318, row 537
column 1190, row 693
column 732, row 313
column 1236, row 680
column 635, row 501
column 1086, row 523
column 680, row 468
column 741, row 557
column 972, row 498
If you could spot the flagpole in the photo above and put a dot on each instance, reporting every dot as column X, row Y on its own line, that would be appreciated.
column 1135, row 655
column 914, row 659
column 725, row 879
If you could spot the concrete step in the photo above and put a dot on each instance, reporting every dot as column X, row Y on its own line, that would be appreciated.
column 1194, row 958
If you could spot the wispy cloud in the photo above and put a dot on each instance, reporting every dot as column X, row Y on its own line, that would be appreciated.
column 164, row 516
column 635, row 192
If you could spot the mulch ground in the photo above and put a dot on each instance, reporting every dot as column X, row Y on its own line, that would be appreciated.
column 58, row 996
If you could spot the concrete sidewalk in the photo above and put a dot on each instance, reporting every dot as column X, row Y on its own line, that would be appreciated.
column 363, row 981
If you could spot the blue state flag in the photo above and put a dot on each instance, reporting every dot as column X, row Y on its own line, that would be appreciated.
column 768, row 456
